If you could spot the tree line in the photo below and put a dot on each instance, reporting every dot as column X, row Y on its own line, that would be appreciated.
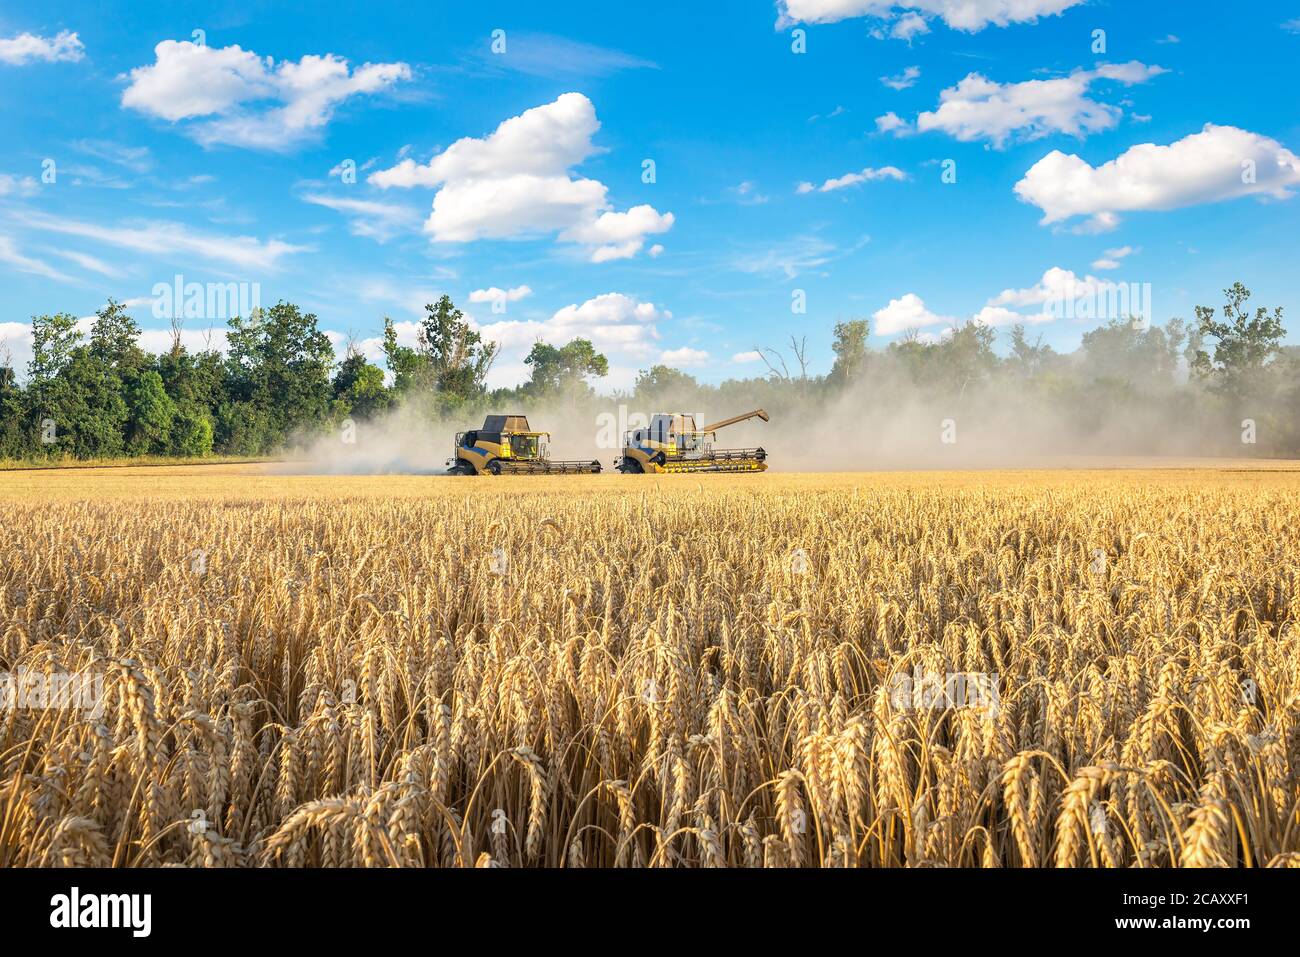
column 98, row 394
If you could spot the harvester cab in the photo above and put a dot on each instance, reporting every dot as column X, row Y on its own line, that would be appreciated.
column 673, row 443
column 507, row 446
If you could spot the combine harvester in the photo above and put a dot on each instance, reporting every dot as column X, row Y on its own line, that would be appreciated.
column 672, row 443
column 506, row 446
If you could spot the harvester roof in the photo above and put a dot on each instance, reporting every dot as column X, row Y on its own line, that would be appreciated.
column 505, row 423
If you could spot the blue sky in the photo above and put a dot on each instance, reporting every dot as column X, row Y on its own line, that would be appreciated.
column 778, row 175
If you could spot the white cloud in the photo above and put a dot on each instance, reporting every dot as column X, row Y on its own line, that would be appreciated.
column 684, row 358
column 978, row 108
column 620, row 326
column 655, row 251
column 495, row 295
column 909, row 25
column 168, row 239
column 791, row 257
column 253, row 101
column 85, row 261
column 853, row 179
column 995, row 316
column 379, row 221
column 27, row 47
column 516, row 182
column 969, row 15
column 1111, row 258
column 11, row 185
column 905, row 79
column 1057, row 284
column 906, row 312
column 135, row 158
column 891, row 122
column 751, row 356
column 1212, row 165
column 11, row 255
column 617, row 235
column 1292, row 26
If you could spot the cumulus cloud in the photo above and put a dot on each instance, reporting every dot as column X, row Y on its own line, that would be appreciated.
column 751, row 355
column 891, row 122
column 1110, row 259
column 907, row 312
column 12, row 185
column 503, row 296
column 996, row 316
column 853, row 179
column 1218, row 163
column 247, row 100
column 1056, row 285
column 684, row 358
column 905, row 79
column 980, row 109
column 517, row 182
column 907, row 26
column 968, row 15
column 613, row 321
column 28, row 47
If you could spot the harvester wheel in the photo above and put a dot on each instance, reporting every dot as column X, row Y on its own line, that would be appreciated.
column 494, row 468
column 461, row 468
column 630, row 467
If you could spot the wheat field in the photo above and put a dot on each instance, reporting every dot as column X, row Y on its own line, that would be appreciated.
column 673, row 671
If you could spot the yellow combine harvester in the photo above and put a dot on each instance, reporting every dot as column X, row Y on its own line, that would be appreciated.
column 506, row 446
column 672, row 443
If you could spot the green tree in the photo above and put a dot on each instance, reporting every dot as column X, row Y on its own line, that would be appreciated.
column 1245, row 344
column 91, row 412
column 410, row 370
column 664, row 382
column 1129, row 352
column 55, row 339
column 277, row 377
column 964, row 359
column 151, row 413
column 191, row 432
column 455, row 356
column 359, row 386
column 564, row 371
column 113, row 341
column 1028, row 359
column 850, row 348
column 14, row 439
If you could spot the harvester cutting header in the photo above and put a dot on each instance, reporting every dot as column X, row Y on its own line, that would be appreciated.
column 670, row 443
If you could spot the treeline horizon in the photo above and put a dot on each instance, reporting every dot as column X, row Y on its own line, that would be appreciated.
column 99, row 395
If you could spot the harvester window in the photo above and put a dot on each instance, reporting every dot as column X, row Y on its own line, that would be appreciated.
column 523, row 446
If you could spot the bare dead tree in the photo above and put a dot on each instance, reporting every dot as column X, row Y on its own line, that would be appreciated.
column 800, row 350
column 177, row 323
column 783, row 373
column 777, row 367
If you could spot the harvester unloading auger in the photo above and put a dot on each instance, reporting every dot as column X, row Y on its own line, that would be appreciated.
column 506, row 446
column 672, row 443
